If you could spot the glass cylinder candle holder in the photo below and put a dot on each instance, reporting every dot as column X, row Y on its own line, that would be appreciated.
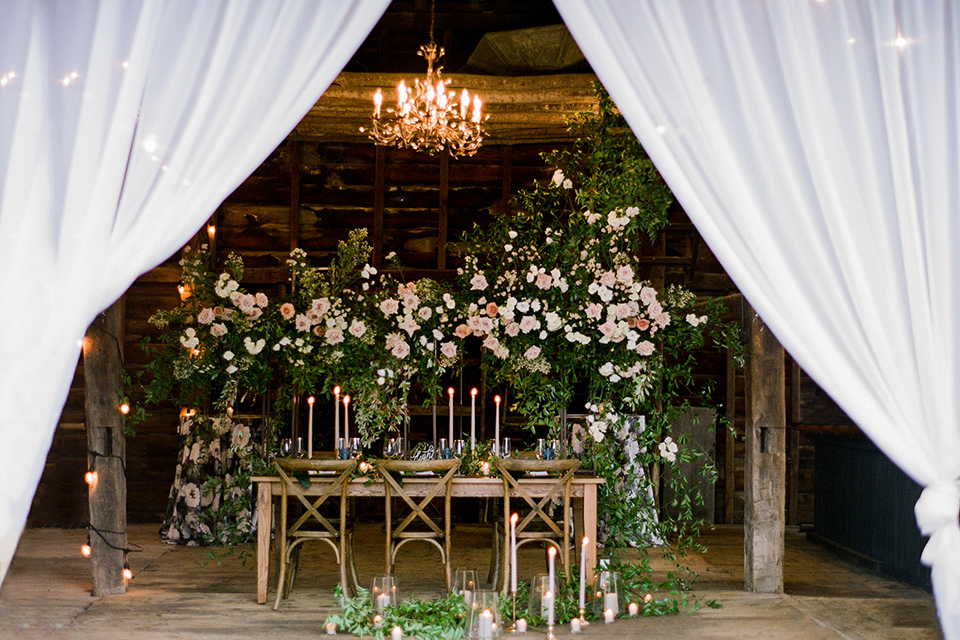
column 356, row 447
column 542, row 598
column 383, row 592
column 609, row 593
column 483, row 622
column 465, row 583
column 505, row 448
column 343, row 449
column 459, row 447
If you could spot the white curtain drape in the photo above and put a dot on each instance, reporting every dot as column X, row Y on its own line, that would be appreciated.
column 123, row 125
column 815, row 146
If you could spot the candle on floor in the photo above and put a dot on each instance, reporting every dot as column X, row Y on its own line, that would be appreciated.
column 383, row 601
column 608, row 616
column 396, row 633
column 310, row 402
column 473, row 419
column 336, row 415
column 547, row 605
column 485, row 468
column 551, row 556
column 610, row 601
column 485, row 627
column 633, row 609
column 331, row 629
column 496, row 426
column 450, row 392
column 575, row 625
column 521, row 624
column 346, row 418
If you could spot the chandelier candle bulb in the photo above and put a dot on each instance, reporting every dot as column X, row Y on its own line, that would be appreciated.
column 377, row 101
column 473, row 419
column 310, row 402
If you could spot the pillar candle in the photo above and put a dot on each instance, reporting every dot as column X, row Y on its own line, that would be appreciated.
column 633, row 609
column 575, row 625
column 396, row 633
column 608, row 616
column 496, row 426
column 548, row 600
column 346, row 419
column 331, row 629
column 336, row 416
column 610, row 601
column 513, row 552
column 521, row 625
column 310, row 402
column 583, row 572
column 473, row 419
column 450, row 392
column 485, row 627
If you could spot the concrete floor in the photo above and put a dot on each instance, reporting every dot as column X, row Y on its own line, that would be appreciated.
column 182, row 592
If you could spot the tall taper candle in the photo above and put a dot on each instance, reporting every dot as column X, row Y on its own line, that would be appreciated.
column 346, row 419
column 450, row 391
column 583, row 572
column 310, row 402
column 552, row 554
column 336, row 415
column 513, row 552
column 473, row 419
column 496, row 427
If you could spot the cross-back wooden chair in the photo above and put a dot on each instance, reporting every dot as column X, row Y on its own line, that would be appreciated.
column 312, row 524
column 537, row 525
column 418, row 524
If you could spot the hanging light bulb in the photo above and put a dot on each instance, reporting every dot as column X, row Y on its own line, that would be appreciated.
column 85, row 550
column 127, row 571
column 90, row 477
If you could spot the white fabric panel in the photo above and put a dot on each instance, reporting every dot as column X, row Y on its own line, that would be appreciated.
column 815, row 146
column 123, row 125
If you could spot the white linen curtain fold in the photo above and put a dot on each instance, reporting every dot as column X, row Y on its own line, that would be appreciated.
column 123, row 125
column 816, row 147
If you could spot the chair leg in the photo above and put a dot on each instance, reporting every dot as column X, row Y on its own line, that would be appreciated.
column 493, row 573
column 353, row 566
column 281, row 579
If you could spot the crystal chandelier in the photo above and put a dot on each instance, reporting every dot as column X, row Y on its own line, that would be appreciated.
column 428, row 117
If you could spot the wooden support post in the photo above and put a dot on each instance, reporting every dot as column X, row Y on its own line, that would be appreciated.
column 730, row 440
column 763, row 518
column 443, row 212
column 295, row 166
column 103, row 366
column 793, row 448
column 379, row 188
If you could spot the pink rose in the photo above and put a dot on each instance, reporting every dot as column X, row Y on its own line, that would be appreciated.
column 401, row 350
column 320, row 306
column 544, row 281
column 645, row 348
column 625, row 274
column 410, row 301
column 663, row 319
column 410, row 326
column 648, row 295
column 607, row 329
column 246, row 302
column 218, row 311
column 528, row 324
column 357, row 328
column 287, row 310
column 654, row 309
column 478, row 282
column 532, row 353
column 513, row 329
column 334, row 336
column 491, row 342
column 608, row 279
column 462, row 331
column 594, row 310
column 227, row 315
column 302, row 323
column 218, row 329
column 485, row 325
column 255, row 313
column 623, row 310
column 449, row 349
column 425, row 313
column 638, row 323
column 262, row 299
column 206, row 316
column 492, row 309
column 319, row 331
column 389, row 307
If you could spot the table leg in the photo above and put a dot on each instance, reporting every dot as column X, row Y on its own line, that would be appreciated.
column 590, row 527
column 264, row 526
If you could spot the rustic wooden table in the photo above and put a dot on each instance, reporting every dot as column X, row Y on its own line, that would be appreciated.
column 583, row 489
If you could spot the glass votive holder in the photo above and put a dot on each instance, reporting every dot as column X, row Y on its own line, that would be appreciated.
column 459, row 447
column 465, row 583
column 542, row 598
column 343, row 449
column 383, row 592
column 286, row 448
column 356, row 447
column 554, row 447
column 543, row 449
column 505, row 448
column 444, row 449
column 301, row 451
column 483, row 623
column 608, row 593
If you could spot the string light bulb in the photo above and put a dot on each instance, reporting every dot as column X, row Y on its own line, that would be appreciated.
column 90, row 477
column 85, row 550
column 127, row 571
column 124, row 408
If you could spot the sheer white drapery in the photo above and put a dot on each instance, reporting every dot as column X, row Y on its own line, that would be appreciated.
column 123, row 125
column 815, row 146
